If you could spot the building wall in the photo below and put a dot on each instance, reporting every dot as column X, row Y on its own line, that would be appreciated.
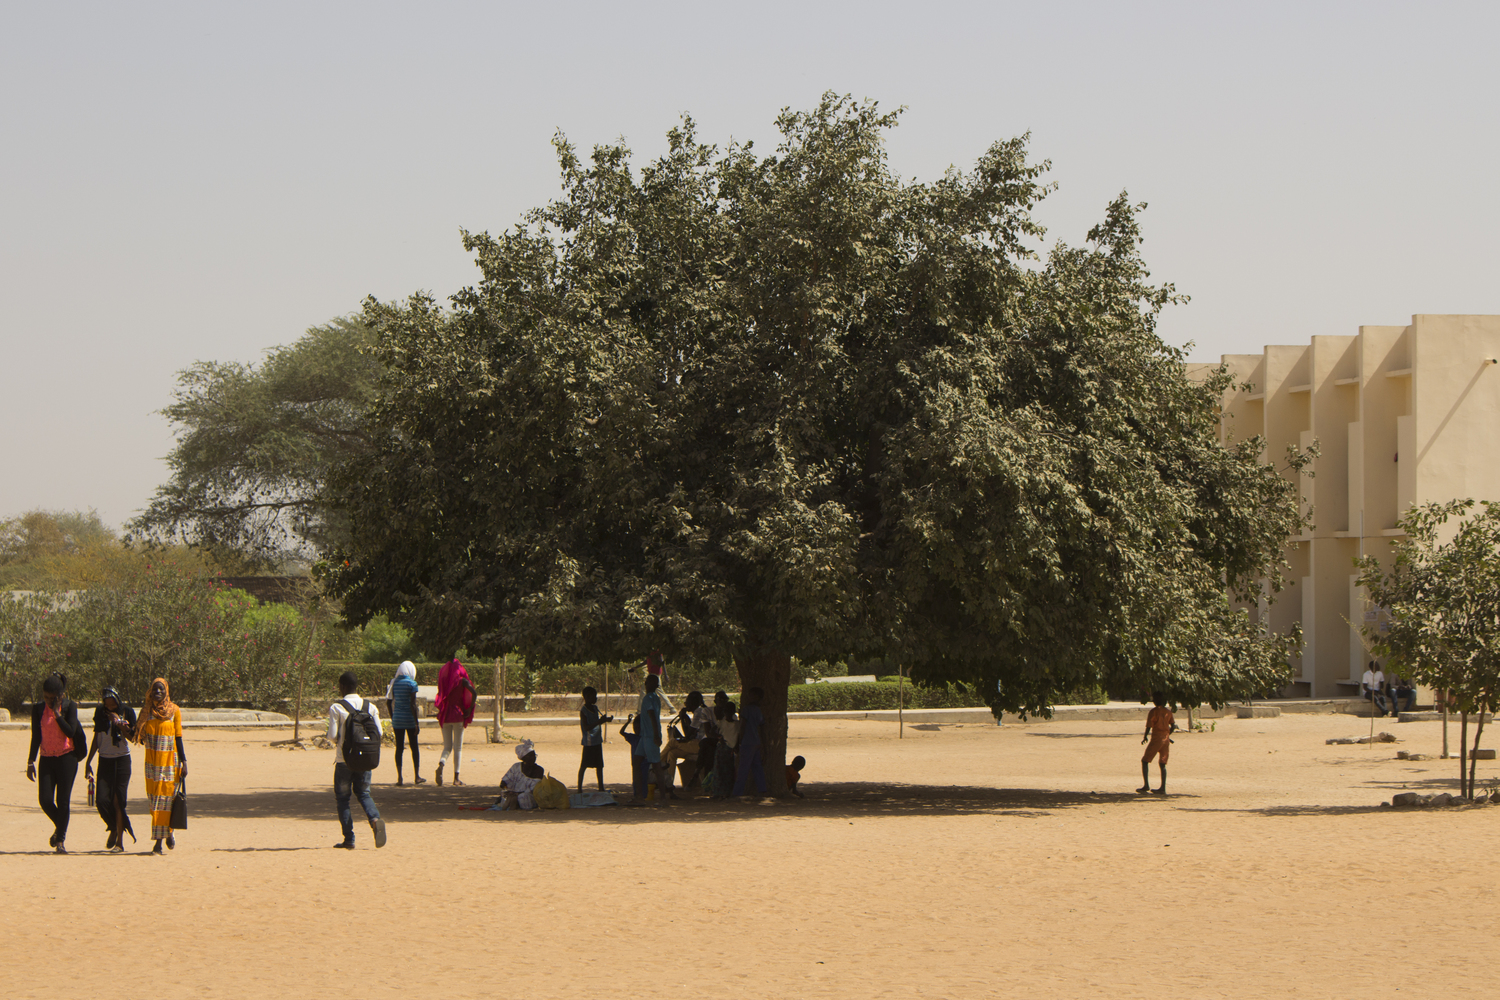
column 1400, row 415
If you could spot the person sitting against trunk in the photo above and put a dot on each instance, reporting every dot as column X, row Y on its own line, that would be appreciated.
column 794, row 774
column 523, row 776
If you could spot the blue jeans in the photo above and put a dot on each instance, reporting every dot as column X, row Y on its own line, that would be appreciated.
column 752, row 764
column 345, row 784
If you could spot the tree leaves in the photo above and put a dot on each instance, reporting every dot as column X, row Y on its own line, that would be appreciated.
column 795, row 405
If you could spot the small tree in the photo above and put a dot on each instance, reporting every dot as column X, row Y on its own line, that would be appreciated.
column 1444, row 604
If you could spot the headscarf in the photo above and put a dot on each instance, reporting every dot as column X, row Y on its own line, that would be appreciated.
column 124, row 711
column 450, row 685
column 152, row 710
column 407, row 669
column 523, row 748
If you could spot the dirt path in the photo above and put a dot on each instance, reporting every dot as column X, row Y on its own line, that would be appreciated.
column 963, row 861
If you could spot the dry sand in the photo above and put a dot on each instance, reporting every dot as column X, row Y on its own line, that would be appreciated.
column 959, row 862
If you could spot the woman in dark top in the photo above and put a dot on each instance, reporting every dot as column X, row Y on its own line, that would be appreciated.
column 56, row 733
column 114, row 728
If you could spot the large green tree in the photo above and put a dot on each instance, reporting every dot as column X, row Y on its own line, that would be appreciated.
column 733, row 405
column 257, row 443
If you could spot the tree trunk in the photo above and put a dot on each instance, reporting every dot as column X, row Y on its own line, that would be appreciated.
column 1463, row 745
column 1474, row 756
column 771, row 671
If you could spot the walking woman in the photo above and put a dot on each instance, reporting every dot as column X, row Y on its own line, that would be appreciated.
column 114, row 728
column 455, row 709
column 401, row 704
column 159, row 732
column 56, row 733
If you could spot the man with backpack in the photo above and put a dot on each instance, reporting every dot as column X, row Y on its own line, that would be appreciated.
column 354, row 731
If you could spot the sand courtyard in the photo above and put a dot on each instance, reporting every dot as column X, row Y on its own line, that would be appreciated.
column 961, row 861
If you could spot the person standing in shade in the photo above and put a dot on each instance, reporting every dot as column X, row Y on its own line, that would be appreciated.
column 349, row 783
column 114, row 728
column 592, row 723
column 455, row 710
column 645, row 756
column 55, row 732
column 727, row 722
column 752, row 745
column 159, row 732
column 401, row 701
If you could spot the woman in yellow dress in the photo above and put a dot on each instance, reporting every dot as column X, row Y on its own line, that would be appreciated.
column 159, row 732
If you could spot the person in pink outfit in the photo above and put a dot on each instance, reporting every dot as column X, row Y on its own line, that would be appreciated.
column 455, row 710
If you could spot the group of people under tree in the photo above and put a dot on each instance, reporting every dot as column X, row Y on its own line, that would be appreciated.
column 59, row 742
column 716, row 749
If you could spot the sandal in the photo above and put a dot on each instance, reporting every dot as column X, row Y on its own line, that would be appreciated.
column 171, row 841
column 420, row 780
column 455, row 780
column 439, row 776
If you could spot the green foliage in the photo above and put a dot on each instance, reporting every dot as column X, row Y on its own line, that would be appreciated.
column 211, row 644
column 386, row 641
column 1443, row 599
column 795, row 405
column 35, row 632
column 873, row 695
column 256, row 445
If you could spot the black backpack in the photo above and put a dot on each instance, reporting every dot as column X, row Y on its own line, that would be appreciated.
column 361, row 739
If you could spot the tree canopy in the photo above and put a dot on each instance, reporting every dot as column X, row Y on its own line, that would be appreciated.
column 733, row 405
column 257, row 443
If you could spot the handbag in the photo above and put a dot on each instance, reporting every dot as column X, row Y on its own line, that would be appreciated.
column 179, row 807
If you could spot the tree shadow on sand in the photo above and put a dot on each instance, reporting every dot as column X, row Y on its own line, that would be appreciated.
column 848, row 800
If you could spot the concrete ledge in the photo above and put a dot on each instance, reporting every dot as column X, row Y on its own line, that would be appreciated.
column 1438, row 717
column 1257, row 712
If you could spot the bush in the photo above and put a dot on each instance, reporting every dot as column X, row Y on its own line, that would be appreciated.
column 876, row 695
column 386, row 641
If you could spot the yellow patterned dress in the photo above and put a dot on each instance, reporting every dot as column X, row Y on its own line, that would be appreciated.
column 159, row 739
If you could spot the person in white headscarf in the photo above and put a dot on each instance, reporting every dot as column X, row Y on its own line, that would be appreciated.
column 523, row 776
column 401, row 703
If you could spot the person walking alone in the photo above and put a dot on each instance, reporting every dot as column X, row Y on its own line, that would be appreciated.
column 159, row 732
column 455, row 710
column 56, row 733
column 347, row 782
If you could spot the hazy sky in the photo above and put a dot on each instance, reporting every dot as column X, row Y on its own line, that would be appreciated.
column 206, row 180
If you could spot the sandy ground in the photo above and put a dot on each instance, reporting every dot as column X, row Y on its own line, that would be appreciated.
column 961, row 861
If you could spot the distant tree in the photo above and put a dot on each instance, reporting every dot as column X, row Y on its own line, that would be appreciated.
column 68, row 550
column 41, row 534
column 1443, row 599
column 256, row 445
column 761, row 407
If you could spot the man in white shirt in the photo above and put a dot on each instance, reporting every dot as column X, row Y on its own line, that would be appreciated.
column 348, row 783
column 1372, row 686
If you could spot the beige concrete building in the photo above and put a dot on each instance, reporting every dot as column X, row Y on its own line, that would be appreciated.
column 1401, row 415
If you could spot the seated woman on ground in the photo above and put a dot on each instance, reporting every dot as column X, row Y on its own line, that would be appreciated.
column 517, row 785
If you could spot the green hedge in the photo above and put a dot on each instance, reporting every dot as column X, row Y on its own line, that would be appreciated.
column 549, row 680
column 873, row 695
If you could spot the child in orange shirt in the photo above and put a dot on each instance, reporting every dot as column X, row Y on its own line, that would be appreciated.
column 1160, row 725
